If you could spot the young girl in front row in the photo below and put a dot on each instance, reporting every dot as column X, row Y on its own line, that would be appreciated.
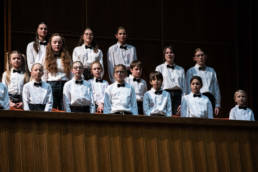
column 4, row 98
column 37, row 94
column 15, row 76
column 58, row 64
column 120, row 97
column 98, row 86
column 195, row 104
column 77, row 94
column 157, row 102
column 241, row 111
column 87, row 52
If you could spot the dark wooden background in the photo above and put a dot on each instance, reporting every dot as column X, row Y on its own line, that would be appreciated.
column 224, row 29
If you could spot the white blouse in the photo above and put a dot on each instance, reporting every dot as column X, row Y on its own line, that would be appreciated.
column 98, row 90
column 241, row 114
column 139, row 87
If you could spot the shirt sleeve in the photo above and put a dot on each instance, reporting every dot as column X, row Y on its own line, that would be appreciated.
column 232, row 114
column 110, row 63
column 184, row 89
column 169, row 106
column 30, row 56
column 216, row 90
column 184, row 107
column 252, row 116
column 135, row 54
column 5, row 103
column 146, row 104
column 49, row 98
column 134, row 103
column 75, row 55
column 4, row 79
column 101, row 62
column 25, row 97
column 92, row 104
column 107, row 102
column 210, row 110
column 66, row 98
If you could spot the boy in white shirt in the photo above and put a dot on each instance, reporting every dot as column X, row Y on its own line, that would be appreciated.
column 241, row 111
column 157, row 102
column 196, row 104
column 137, row 82
column 120, row 96
column 37, row 94
column 77, row 93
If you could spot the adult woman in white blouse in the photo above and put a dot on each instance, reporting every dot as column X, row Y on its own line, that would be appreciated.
column 87, row 52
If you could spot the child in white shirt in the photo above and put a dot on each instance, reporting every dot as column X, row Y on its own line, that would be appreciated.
column 241, row 111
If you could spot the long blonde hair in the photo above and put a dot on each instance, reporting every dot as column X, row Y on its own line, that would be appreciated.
column 23, row 67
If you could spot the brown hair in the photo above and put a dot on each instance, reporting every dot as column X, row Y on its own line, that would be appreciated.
column 120, row 65
column 165, row 48
column 50, row 61
column 36, row 41
column 96, row 62
column 198, row 49
column 93, row 43
column 23, row 67
column 120, row 28
column 136, row 63
column 156, row 75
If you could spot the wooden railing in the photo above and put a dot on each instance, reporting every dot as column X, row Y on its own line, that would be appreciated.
column 78, row 142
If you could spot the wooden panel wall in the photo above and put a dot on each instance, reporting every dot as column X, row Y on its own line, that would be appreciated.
column 58, row 142
column 222, row 28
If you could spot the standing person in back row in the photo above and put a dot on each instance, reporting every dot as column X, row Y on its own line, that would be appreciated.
column 36, row 50
column 208, row 75
column 174, row 78
column 120, row 53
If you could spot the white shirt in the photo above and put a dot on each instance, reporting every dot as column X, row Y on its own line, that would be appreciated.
column 198, row 107
column 37, row 95
column 87, row 56
column 139, row 87
column 33, row 56
column 209, row 80
column 4, row 98
column 98, row 90
column 120, row 99
column 157, row 103
column 117, row 55
column 16, row 82
column 241, row 114
column 172, row 77
column 78, row 95
column 59, row 76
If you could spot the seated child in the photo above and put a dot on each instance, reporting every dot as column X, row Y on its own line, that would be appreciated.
column 4, row 98
column 77, row 93
column 98, row 86
column 137, row 82
column 241, row 111
column 120, row 96
column 37, row 94
column 196, row 104
column 157, row 102
column 15, row 76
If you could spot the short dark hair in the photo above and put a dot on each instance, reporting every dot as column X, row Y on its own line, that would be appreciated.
column 198, row 78
column 156, row 75
column 136, row 63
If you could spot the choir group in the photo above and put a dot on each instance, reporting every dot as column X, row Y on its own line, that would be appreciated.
column 58, row 81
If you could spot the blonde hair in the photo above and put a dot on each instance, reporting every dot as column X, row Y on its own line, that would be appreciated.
column 122, row 66
column 23, row 67
column 96, row 62
column 240, row 91
column 41, row 66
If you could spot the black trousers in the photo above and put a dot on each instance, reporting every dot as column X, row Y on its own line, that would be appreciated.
column 175, row 96
column 123, row 113
column 37, row 107
column 80, row 109
column 15, row 98
column 57, row 90
column 140, row 107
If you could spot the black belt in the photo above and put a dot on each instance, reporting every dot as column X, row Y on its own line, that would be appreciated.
column 15, row 98
column 37, row 107
column 80, row 108
column 123, row 113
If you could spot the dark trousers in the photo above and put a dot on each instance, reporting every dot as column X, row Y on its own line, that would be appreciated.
column 80, row 109
column 15, row 98
column 175, row 96
column 37, row 107
column 211, row 98
column 87, row 74
column 140, row 107
column 57, row 90
column 123, row 113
